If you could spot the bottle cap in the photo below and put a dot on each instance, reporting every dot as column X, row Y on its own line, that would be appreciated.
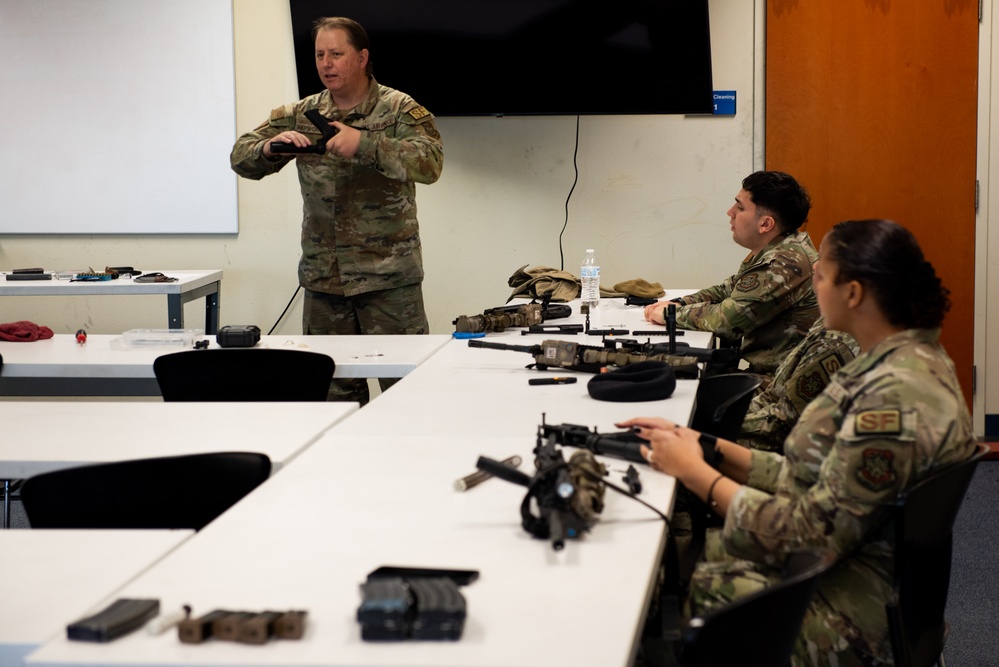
column 589, row 250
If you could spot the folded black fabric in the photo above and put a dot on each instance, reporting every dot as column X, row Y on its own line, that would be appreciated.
column 644, row 381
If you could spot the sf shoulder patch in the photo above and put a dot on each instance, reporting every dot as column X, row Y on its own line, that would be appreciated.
column 418, row 113
column 832, row 363
column 878, row 422
column 877, row 469
column 748, row 282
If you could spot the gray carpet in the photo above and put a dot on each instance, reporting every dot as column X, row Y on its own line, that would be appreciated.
column 973, row 600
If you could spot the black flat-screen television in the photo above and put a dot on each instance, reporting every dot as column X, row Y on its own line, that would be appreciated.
column 528, row 57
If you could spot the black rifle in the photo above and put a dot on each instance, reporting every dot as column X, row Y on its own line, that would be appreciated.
column 504, row 317
column 623, row 444
column 568, row 495
column 619, row 352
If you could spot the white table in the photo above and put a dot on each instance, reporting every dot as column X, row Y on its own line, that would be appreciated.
column 190, row 285
column 103, row 367
column 54, row 577
column 376, row 489
column 462, row 391
column 42, row 436
column 349, row 505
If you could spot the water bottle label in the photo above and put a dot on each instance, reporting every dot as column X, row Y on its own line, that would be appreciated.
column 589, row 272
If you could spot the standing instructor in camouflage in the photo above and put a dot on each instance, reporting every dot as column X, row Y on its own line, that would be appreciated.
column 361, row 264
column 769, row 302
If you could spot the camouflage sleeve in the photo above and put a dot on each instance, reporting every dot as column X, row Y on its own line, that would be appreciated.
column 708, row 294
column 768, row 421
column 764, row 469
column 247, row 157
column 414, row 154
column 870, row 462
column 757, row 296
column 799, row 379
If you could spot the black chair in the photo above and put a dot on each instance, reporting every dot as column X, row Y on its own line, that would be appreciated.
column 721, row 403
column 170, row 492
column 232, row 374
column 10, row 486
column 924, row 522
column 759, row 629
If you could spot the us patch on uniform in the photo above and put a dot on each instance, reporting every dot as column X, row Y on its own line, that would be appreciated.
column 878, row 422
column 748, row 282
column 419, row 112
column 877, row 469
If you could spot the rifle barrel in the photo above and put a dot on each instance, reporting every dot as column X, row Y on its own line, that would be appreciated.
column 530, row 349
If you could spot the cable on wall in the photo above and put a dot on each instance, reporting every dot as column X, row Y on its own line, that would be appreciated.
column 285, row 310
column 575, row 179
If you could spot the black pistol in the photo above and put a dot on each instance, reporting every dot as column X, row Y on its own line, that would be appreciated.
column 322, row 123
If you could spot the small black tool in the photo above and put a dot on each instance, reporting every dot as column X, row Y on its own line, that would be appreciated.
column 608, row 332
column 34, row 270
column 556, row 380
column 29, row 276
column 553, row 328
column 631, row 479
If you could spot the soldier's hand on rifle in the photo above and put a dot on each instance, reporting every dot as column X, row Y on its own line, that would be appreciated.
column 345, row 142
column 656, row 312
column 672, row 448
column 287, row 137
column 647, row 422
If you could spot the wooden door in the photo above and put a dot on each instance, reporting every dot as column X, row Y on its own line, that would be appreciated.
column 872, row 105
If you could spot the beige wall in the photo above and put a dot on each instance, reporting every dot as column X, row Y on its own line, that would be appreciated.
column 651, row 198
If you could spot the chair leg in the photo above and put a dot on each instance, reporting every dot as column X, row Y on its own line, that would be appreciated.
column 6, row 503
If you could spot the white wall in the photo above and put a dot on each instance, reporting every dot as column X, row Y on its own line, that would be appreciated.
column 651, row 198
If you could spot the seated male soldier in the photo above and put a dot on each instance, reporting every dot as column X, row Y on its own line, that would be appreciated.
column 769, row 303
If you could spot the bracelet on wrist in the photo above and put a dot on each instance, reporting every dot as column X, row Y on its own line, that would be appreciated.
column 712, row 503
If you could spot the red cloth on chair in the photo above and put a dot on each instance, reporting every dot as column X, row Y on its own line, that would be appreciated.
column 24, row 332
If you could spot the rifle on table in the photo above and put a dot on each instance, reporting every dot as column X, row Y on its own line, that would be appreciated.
column 569, row 495
column 593, row 359
column 504, row 317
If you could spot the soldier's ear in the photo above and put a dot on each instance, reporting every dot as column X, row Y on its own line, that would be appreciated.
column 855, row 293
column 767, row 224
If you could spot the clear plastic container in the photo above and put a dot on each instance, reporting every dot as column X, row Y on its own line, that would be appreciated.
column 589, row 278
column 161, row 337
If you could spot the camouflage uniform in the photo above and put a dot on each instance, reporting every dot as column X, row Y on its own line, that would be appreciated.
column 769, row 302
column 801, row 377
column 886, row 421
column 360, row 235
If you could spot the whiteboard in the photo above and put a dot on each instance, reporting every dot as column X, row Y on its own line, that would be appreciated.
column 118, row 117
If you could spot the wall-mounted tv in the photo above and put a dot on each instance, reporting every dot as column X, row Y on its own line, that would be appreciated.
column 528, row 57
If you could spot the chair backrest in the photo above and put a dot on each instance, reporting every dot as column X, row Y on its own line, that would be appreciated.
column 721, row 403
column 233, row 374
column 924, row 528
column 170, row 492
column 759, row 629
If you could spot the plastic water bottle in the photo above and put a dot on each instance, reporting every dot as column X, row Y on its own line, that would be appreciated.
column 589, row 277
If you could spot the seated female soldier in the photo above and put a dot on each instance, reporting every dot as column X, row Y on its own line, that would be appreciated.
column 885, row 421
